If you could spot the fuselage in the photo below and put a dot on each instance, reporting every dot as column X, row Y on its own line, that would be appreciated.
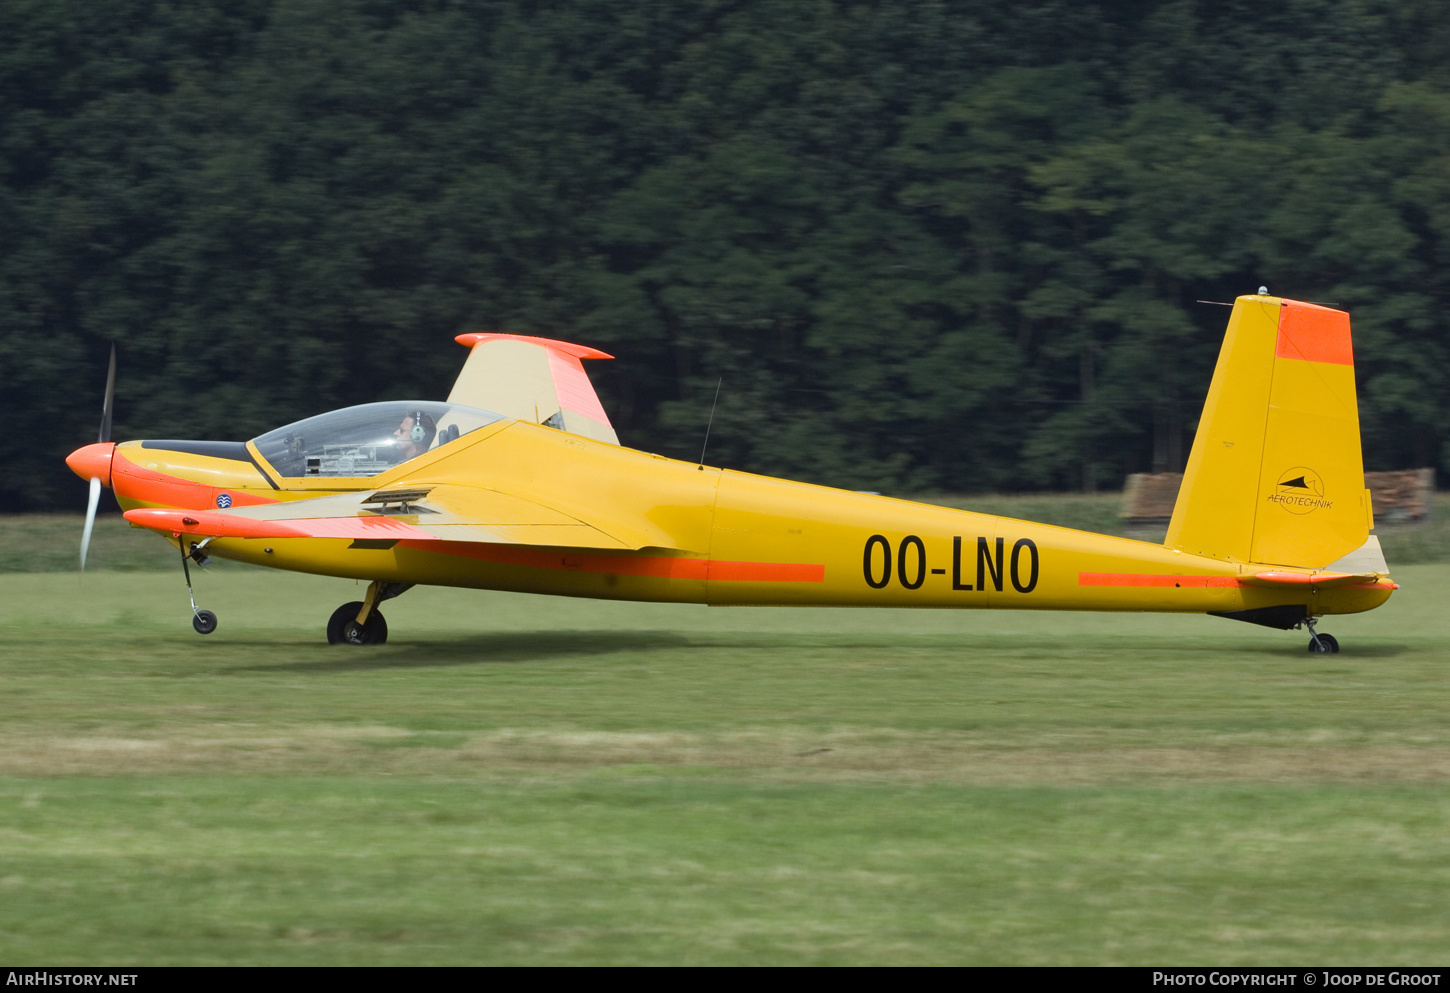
column 710, row 535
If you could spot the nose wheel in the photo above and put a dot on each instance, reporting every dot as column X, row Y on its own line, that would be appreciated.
column 204, row 621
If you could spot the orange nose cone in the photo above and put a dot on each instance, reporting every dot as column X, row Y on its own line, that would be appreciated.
column 93, row 461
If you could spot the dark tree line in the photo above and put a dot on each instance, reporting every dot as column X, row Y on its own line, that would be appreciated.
column 926, row 245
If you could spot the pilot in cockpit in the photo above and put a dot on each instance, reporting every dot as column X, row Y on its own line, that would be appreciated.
column 414, row 435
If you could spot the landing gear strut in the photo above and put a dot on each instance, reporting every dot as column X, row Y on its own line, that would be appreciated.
column 360, row 622
column 1321, row 644
column 203, row 620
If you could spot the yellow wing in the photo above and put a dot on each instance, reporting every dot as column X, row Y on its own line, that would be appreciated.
column 443, row 512
column 538, row 380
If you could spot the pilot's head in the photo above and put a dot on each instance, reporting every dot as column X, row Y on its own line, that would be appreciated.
column 415, row 434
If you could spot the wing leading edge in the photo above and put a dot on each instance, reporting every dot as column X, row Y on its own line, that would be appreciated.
column 447, row 512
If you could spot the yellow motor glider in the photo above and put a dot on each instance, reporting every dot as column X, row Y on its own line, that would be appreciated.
column 518, row 482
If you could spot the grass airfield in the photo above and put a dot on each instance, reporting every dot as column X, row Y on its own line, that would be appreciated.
column 518, row 779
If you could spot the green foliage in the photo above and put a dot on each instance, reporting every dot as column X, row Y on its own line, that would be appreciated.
column 923, row 246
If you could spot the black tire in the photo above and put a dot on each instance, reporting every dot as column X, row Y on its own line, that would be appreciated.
column 1325, row 644
column 1332, row 642
column 343, row 629
column 204, row 621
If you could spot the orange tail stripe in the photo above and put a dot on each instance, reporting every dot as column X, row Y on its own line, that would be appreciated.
column 1151, row 579
column 1314, row 334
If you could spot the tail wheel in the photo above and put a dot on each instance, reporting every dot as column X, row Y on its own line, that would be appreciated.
column 343, row 628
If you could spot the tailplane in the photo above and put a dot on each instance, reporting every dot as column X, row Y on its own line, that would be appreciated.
column 1276, row 475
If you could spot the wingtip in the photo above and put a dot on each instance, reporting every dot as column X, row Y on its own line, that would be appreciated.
column 472, row 338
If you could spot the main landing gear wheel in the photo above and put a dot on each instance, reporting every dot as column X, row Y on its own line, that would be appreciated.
column 1324, row 644
column 343, row 628
column 204, row 621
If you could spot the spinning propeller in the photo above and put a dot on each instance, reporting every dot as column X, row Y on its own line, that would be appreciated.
column 95, row 460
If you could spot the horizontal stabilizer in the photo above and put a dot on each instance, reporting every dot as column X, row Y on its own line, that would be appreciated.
column 1368, row 557
column 1365, row 566
column 1300, row 580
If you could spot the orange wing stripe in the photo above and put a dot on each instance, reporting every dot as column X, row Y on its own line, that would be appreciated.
column 1152, row 579
column 356, row 527
column 660, row 566
column 536, row 558
column 223, row 525
column 1313, row 334
column 212, row 523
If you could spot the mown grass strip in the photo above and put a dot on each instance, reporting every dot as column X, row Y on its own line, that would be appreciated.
column 649, row 869
column 525, row 779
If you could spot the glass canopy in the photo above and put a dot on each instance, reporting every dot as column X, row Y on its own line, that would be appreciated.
column 367, row 439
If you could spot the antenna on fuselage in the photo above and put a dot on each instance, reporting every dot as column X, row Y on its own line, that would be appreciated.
column 710, row 422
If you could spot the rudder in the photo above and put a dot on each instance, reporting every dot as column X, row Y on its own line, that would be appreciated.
column 1276, row 474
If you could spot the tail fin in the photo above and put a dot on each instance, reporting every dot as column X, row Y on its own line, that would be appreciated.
column 1276, row 475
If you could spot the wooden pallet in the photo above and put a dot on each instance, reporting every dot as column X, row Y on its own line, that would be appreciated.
column 1404, row 496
